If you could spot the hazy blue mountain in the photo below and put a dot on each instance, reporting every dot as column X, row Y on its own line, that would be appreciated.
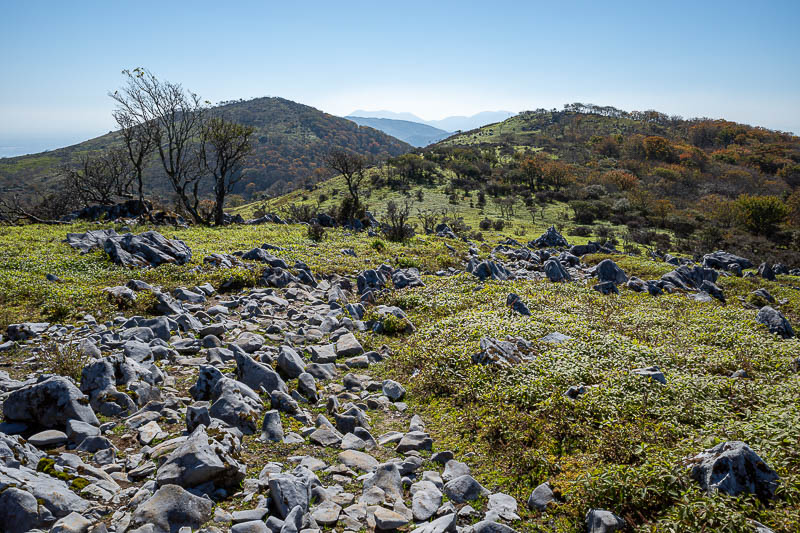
column 470, row 123
column 386, row 114
column 455, row 123
column 414, row 133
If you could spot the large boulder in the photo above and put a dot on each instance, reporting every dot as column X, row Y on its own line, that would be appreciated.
column 200, row 460
column 19, row 511
column 607, row 270
column 256, row 375
column 288, row 491
column 690, row 279
column 406, row 278
column 550, row 239
column 486, row 269
column 555, row 271
column 49, row 403
column 725, row 261
column 371, row 280
column 172, row 508
column 147, row 249
column 734, row 468
column 236, row 404
column 775, row 322
column 290, row 363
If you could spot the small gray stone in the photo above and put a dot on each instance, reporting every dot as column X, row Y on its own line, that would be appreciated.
column 359, row 460
column 651, row 372
column 72, row 523
column 271, row 427
column 602, row 521
column 386, row 520
column 326, row 514
column 541, row 497
column 454, row 469
column 172, row 507
column 464, row 488
column 47, row 438
column 348, row 346
column 393, row 390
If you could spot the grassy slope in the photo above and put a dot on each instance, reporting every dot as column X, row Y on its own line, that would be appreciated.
column 619, row 447
column 519, row 226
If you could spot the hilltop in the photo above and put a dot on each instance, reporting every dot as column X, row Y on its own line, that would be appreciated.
column 291, row 141
column 413, row 133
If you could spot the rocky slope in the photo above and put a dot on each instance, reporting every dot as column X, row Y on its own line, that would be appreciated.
column 267, row 409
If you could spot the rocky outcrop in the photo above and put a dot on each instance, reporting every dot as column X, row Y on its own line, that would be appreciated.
column 146, row 249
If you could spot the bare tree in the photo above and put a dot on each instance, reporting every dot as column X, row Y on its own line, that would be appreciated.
column 223, row 148
column 429, row 217
column 351, row 166
column 14, row 210
column 175, row 116
column 396, row 226
column 139, row 139
column 101, row 178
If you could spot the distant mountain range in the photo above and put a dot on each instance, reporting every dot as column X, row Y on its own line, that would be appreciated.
column 414, row 133
column 452, row 124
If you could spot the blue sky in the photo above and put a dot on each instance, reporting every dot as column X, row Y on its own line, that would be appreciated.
column 734, row 60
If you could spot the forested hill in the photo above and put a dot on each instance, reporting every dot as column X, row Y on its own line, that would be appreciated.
column 650, row 160
column 291, row 141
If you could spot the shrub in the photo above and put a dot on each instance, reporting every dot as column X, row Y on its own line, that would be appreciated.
column 64, row 359
column 594, row 191
column 378, row 245
column 407, row 262
column 498, row 224
column 349, row 210
column 581, row 231
column 316, row 232
column 299, row 212
column 396, row 226
column 622, row 205
column 760, row 214
column 485, row 224
column 620, row 180
column 604, row 232
column 393, row 325
column 682, row 225
column 588, row 212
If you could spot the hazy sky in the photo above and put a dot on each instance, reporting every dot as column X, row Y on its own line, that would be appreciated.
column 734, row 60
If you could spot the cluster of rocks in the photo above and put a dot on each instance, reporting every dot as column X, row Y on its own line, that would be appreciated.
column 372, row 283
column 261, row 365
column 698, row 281
column 146, row 249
